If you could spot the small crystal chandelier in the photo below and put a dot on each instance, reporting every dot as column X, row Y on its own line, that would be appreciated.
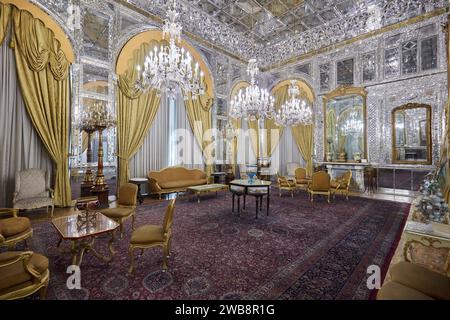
column 252, row 103
column 295, row 111
column 353, row 125
column 170, row 67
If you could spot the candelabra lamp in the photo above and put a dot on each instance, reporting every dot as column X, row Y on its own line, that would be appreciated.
column 100, row 187
column 97, row 118
column 88, row 180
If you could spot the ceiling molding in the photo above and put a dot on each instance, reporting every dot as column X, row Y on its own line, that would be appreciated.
column 367, row 35
column 190, row 35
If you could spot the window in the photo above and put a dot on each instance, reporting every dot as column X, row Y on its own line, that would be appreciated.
column 369, row 66
column 409, row 57
column 344, row 71
column 391, row 63
column 428, row 53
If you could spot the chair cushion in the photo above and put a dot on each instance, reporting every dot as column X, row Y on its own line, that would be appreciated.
column 39, row 262
column 33, row 203
column 117, row 213
column 397, row 291
column 147, row 234
column 14, row 226
column 181, row 183
column 15, row 274
column 426, row 281
column 302, row 181
column 334, row 184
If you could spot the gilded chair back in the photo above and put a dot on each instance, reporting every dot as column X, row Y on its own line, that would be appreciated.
column 347, row 178
column 168, row 217
column 320, row 181
column 300, row 174
column 128, row 194
column 282, row 181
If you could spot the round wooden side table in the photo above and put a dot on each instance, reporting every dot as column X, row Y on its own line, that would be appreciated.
column 139, row 182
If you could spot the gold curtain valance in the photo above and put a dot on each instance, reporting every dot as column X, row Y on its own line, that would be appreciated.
column 38, row 44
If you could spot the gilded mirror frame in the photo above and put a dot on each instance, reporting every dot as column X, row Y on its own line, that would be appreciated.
column 342, row 92
column 428, row 127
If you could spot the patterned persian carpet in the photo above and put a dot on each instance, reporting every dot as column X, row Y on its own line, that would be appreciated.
column 300, row 251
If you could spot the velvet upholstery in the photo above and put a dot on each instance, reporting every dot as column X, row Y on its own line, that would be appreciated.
column 22, row 274
column 126, row 206
column 175, row 179
column 149, row 236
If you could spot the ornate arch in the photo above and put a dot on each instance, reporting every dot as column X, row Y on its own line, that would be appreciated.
column 134, row 43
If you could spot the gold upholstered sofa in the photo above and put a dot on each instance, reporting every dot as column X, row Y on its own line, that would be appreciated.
column 175, row 179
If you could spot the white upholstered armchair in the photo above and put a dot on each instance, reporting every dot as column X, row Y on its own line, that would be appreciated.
column 33, row 190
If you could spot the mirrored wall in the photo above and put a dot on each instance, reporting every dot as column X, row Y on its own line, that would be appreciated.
column 411, row 129
column 345, row 125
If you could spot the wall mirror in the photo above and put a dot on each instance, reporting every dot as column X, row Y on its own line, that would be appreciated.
column 345, row 125
column 96, row 27
column 411, row 129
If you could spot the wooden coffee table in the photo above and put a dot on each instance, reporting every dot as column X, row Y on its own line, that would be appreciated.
column 82, row 231
column 198, row 190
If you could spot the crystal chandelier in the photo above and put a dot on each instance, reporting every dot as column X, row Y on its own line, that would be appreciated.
column 168, row 68
column 252, row 103
column 295, row 111
column 353, row 125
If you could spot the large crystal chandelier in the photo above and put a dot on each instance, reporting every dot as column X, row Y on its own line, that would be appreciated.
column 295, row 111
column 252, row 103
column 353, row 125
column 170, row 67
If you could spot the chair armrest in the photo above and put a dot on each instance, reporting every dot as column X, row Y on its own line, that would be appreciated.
column 52, row 193
column 154, row 186
column 14, row 212
column 11, row 257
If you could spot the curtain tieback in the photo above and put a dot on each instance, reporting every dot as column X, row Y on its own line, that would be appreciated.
column 121, row 157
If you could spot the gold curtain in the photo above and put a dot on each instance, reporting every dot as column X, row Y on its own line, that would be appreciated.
column 253, row 127
column 237, row 125
column 200, row 118
column 84, row 141
column 303, row 136
column 136, row 111
column 272, row 140
column 43, row 72
column 5, row 12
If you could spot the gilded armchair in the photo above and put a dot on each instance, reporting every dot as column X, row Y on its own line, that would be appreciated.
column 15, row 229
column 149, row 236
column 126, row 206
column 285, row 184
column 301, row 179
column 22, row 274
column 320, row 184
column 33, row 190
column 342, row 184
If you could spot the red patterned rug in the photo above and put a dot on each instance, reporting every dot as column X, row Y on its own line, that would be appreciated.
column 300, row 251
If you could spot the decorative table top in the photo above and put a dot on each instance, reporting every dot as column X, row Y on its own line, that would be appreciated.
column 208, row 187
column 69, row 228
column 254, row 183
